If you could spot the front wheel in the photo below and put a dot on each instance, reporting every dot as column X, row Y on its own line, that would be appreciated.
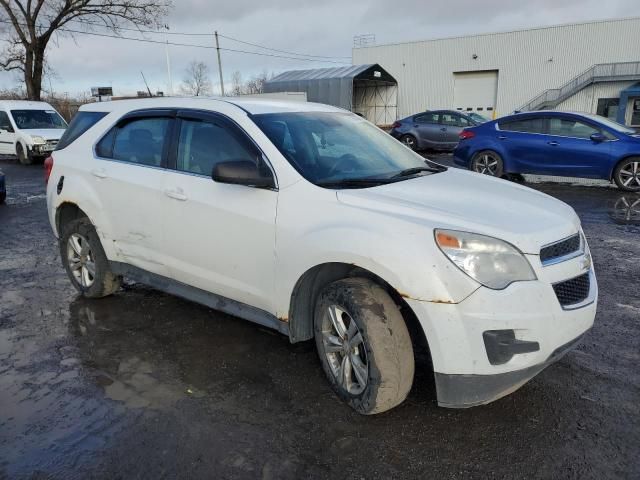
column 364, row 345
column 85, row 260
column 627, row 174
column 23, row 157
column 488, row 162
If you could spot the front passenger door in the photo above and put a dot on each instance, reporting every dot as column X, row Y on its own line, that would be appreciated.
column 219, row 237
column 7, row 135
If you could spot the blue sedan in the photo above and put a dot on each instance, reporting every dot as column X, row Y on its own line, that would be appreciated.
column 553, row 143
column 3, row 188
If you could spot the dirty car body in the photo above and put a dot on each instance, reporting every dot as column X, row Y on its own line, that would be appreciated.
column 296, row 208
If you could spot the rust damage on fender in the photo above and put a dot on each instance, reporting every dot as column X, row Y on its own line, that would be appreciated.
column 446, row 302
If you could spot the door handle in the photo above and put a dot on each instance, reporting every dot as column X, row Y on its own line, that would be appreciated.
column 176, row 194
column 502, row 137
column 99, row 172
column 443, row 129
column 553, row 143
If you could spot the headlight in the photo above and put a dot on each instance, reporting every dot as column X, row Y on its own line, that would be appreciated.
column 492, row 262
column 37, row 140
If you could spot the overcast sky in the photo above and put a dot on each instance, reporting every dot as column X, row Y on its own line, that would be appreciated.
column 317, row 27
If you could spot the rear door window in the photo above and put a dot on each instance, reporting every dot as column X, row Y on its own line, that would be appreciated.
column 140, row 141
column 525, row 125
column 427, row 118
column 82, row 122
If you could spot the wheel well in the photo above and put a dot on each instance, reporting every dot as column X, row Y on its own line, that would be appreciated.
column 66, row 213
column 314, row 280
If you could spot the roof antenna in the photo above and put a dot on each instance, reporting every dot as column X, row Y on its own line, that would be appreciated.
column 146, row 84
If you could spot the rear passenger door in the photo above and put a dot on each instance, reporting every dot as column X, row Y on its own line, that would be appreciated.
column 129, row 175
column 452, row 124
column 428, row 129
column 523, row 143
column 219, row 237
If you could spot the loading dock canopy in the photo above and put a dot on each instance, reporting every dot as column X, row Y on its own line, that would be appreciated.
column 365, row 89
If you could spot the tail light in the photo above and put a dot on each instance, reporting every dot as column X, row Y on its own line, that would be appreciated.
column 466, row 134
column 395, row 125
column 48, row 166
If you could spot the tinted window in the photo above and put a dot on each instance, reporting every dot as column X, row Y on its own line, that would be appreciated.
column 566, row 127
column 427, row 118
column 526, row 125
column 137, row 141
column 453, row 120
column 5, row 123
column 82, row 122
column 204, row 144
column 26, row 119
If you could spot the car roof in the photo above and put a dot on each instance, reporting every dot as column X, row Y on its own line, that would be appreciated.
column 249, row 105
column 548, row 112
column 25, row 105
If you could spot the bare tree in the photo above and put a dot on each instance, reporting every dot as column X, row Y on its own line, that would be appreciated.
column 256, row 83
column 236, row 84
column 196, row 80
column 33, row 23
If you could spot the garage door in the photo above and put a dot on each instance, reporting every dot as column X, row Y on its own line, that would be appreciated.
column 476, row 92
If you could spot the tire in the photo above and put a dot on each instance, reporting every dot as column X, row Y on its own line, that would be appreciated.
column 23, row 156
column 380, row 361
column 81, row 247
column 409, row 141
column 627, row 174
column 3, row 197
column 487, row 162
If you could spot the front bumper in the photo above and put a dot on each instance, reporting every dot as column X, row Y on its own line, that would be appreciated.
column 465, row 375
column 41, row 149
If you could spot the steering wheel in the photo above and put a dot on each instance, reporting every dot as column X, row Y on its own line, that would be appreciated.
column 340, row 160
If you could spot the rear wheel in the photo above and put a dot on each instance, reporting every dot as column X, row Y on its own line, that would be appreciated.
column 627, row 174
column 488, row 162
column 23, row 156
column 85, row 260
column 409, row 141
column 364, row 345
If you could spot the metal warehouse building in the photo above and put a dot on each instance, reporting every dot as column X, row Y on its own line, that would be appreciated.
column 592, row 67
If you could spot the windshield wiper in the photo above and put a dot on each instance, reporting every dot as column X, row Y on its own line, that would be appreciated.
column 412, row 171
column 354, row 182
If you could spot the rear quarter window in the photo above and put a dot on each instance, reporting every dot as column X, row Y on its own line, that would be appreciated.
column 82, row 122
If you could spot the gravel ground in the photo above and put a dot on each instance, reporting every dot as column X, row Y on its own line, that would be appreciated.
column 145, row 385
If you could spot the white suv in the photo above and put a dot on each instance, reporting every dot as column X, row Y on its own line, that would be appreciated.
column 29, row 130
column 312, row 221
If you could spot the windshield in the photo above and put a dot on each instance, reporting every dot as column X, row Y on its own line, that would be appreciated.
column 28, row 119
column 477, row 117
column 332, row 148
column 610, row 123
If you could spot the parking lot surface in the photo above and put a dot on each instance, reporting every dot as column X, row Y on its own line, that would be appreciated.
column 146, row 385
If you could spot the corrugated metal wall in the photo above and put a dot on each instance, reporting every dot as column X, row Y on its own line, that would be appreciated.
column 586, row 100
column 528, row 61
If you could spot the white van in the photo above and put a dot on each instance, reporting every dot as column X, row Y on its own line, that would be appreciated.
column 29, row 130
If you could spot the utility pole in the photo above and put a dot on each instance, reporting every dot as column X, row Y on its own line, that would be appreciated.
column 219, row 65
column 169, row 69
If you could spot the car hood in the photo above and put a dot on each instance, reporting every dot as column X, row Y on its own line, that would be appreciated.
column 467, row 201
column 46, row 133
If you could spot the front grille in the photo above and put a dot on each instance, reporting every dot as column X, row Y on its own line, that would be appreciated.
column 573, row 291
column 560, row 249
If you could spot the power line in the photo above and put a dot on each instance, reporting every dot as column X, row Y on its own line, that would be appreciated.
column 274, row 49
column 192, row 45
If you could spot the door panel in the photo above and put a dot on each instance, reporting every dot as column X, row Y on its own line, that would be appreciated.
column 571, row 152
column 219, row 237
column 524, row 145
column 129, row 177
column 428, row 130
column 7, row 135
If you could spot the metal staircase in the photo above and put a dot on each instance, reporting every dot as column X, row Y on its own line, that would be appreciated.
column 602, row 72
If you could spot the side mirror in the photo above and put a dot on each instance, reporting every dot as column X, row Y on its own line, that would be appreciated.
column 243, row 172
column 597, row 137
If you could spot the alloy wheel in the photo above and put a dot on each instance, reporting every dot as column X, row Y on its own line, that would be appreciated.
column 345, row 350
column 630, row 175
column 81, row 260
column 409, row 141
column 486, row 164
